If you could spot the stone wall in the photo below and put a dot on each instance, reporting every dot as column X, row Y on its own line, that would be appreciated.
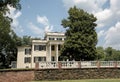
column 16, row 75
column 58, row 74
column 86, row 73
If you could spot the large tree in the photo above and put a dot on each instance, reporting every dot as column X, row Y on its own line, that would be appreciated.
column 8, row 38
column 81, row 36
column 12, row 3
column 7, row 42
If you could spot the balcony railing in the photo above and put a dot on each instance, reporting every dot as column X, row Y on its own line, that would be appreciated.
column 78, row 64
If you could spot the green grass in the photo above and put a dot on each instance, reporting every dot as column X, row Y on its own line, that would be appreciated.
column 88, row 80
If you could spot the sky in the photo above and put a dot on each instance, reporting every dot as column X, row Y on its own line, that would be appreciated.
column 39, row 16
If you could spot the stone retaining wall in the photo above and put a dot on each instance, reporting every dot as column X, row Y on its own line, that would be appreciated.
column 58, row 74
column 86, row 73
column 16, row 75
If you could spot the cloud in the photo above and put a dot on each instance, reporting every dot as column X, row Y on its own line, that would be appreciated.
column 45, row 22
column 92, row 6
column 14, row 15
column 39, row 29
column 48, row 28
column 35, row 29
column 112, row 36
column 103, row 15
column 101, row 33
column 109, row 16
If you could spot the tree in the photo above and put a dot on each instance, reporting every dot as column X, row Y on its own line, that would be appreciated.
column 8, row 38
column 81, row 37
column 116, row 55
column 112, row 54
column 100, row 53
column 25, row 40
column 4, row 35
column 5, row 3
column 108, row 54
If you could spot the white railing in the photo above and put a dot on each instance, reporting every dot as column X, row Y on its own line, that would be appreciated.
column 78, row 64
column 89, row 64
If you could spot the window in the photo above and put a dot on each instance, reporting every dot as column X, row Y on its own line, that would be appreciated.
column 59, row 38
column 64, row 38
column 27, row 60
column 27, row 51
column 39, row 47
column 37, row 59
column 59, row 47
column 53, row 47
column 53, row 58
column 51, row 39
column 36, row 47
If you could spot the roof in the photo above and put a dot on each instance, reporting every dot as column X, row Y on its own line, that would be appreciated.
column 55, row 34
column 39, row 41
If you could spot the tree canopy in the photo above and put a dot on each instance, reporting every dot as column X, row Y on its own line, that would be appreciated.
column 108, row 54
column 8, row 41
column 81, row 36
column 8, row 38
column 12, row 3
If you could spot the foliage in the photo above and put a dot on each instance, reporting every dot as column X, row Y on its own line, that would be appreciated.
column 81, row 37
column 12, row 3
column 100, row 53
column 7, row 42
column 108, row 54
column 25, row 40
column 8, row 38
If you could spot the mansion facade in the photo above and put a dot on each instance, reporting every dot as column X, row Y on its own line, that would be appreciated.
column 40, row 50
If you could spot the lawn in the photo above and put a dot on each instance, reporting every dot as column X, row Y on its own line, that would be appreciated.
column 88, row 80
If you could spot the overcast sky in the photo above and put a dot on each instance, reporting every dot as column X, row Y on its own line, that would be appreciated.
column 39, row 16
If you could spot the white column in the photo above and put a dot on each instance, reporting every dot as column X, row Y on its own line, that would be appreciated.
column 47, row 52
column 50, row 52
column 57, row 52
column 32, row 56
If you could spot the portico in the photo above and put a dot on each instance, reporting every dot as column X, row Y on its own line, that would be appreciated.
column 54, row 50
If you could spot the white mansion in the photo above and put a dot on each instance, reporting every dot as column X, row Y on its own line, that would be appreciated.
column 45, row 53
column 40, row 50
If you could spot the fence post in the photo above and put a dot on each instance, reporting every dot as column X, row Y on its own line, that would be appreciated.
column 98, row 64
column 59, row 65
column 79, row 64
column 115, row 64
column 37, row 65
